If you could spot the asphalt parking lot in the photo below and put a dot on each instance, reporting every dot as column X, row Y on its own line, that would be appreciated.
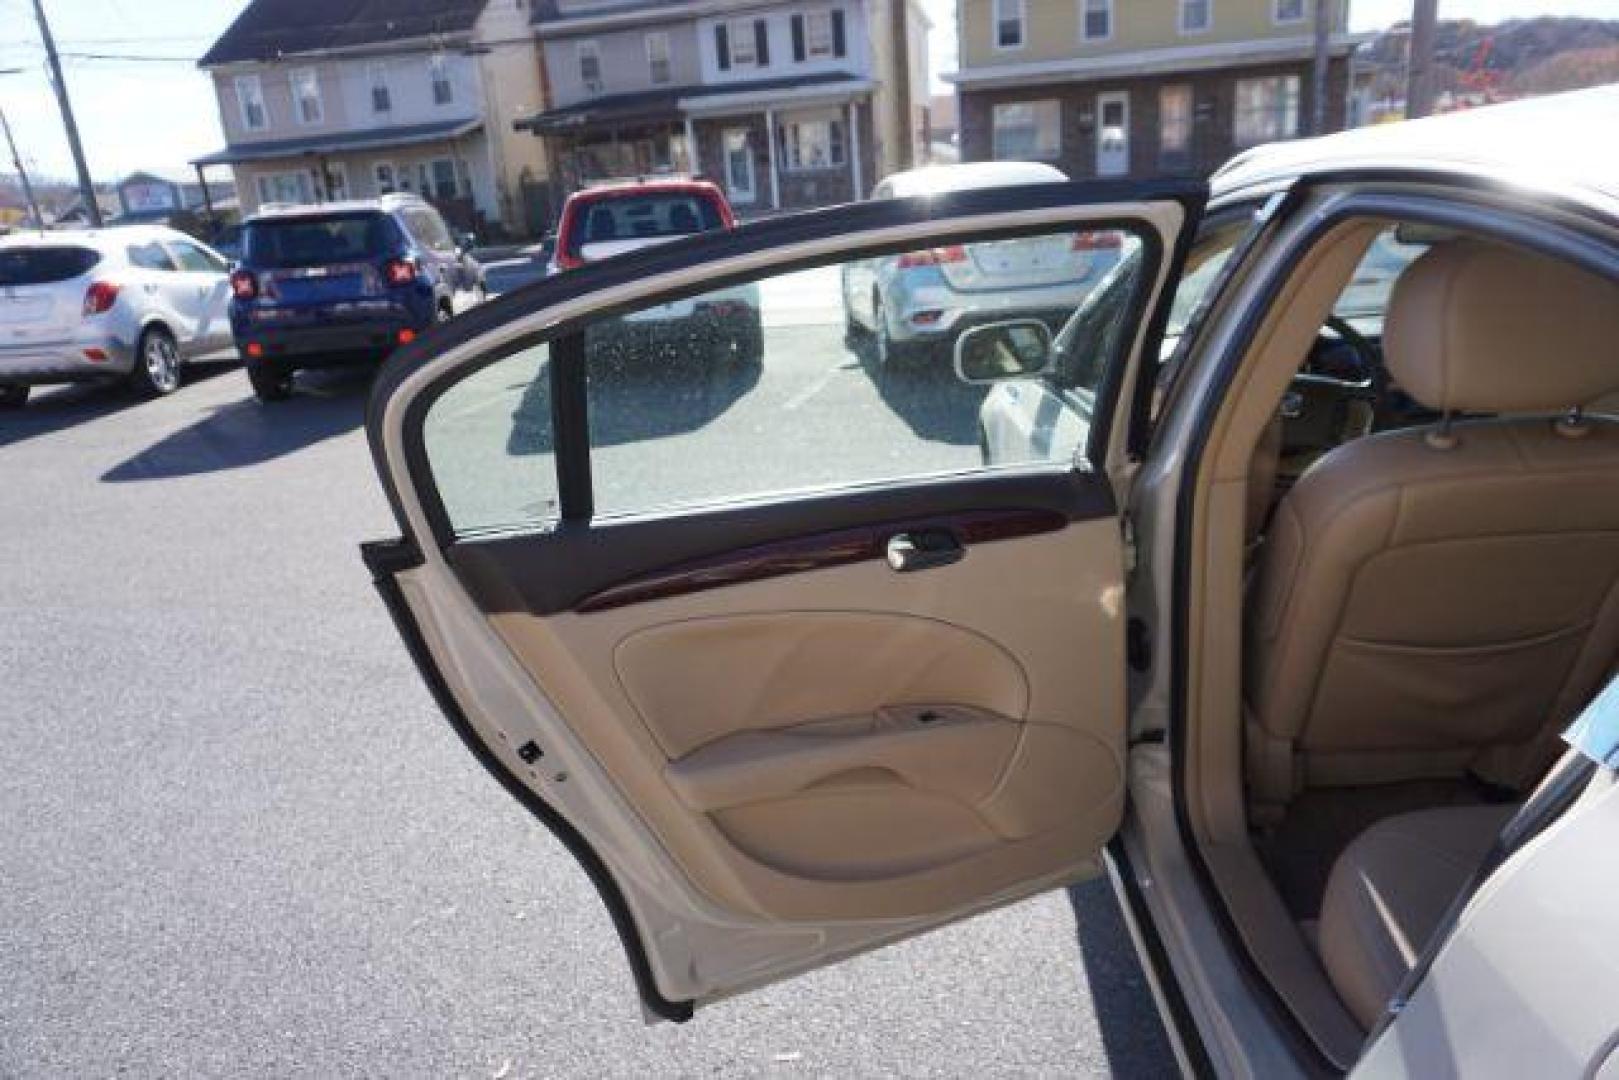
column 241, row 840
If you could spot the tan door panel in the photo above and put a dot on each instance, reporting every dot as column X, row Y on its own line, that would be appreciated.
column 856, row 743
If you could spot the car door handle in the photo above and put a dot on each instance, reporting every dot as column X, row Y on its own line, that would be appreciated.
column 923, row 549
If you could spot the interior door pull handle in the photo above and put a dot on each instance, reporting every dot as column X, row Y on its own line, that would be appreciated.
column 923, row 550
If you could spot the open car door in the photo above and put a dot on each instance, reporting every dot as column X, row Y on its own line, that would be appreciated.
column 740, row 614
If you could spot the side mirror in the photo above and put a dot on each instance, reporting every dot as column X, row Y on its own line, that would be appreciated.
column 466, row 241
column 1015, row 349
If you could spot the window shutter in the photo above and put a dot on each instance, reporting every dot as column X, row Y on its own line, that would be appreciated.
column 722, row 47
column 761, row 41
column 837, row 31
column 798, row 38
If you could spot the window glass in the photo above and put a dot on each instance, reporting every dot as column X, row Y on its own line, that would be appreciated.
column 306, row 103
column 1289, row 10
column 590, row 66
column 811, row 141
column 611, row 219
column 657, row 57
column 1367, row 294
column 1028, row 130
column 743, row 43
column 779, row 385
column 150, row 256
column 1267, row 109
column 44, row 265
column 444, row 179
column 1008, row 24
column 818, row 34
column 250, row 96
column 1175, row 125
column 1098, row 17
column 430, row 229
column 316, row 240
column 488, row 443
column 194, row 259
column 381, row 94
column 439, row 71
column 1194, row 15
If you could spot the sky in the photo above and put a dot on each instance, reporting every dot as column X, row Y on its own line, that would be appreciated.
column 160, row 112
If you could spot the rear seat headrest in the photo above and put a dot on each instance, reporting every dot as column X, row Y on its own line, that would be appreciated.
column 1476, row 327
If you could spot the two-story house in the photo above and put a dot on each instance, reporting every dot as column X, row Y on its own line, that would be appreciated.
column 1111, row 88
column 787, row 104
column 324, row 100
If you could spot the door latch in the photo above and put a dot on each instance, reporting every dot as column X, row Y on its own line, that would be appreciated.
column 923, row 549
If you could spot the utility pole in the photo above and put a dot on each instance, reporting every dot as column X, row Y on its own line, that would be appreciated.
column 87, row 190
column 22, row 173
column 1419, row 88
column 1318, row 74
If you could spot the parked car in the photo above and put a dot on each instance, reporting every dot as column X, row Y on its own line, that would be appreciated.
column 132, row 303
column 342, row 283
column 1333, row 722
column 620, row 217
column 916, row 303
column 504, row 275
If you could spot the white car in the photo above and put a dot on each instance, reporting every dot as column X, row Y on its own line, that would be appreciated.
column 130, row 303
column 912, row 301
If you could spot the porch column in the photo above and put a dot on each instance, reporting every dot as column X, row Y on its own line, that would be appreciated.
column 854, row 149
column 207, row 197
column 692, row 165
column 770, row 137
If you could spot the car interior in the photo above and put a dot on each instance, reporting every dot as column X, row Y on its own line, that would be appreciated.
column 1430, row 593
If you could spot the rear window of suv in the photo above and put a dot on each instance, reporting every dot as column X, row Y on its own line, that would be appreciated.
column 45, row 265
column 604, row 218
column 317, row 240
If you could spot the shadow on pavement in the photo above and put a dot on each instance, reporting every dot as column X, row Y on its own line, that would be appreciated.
column 661, row 393
column 57, row 408
column 246, row 432
column 1126, row 1014
column 925, row 393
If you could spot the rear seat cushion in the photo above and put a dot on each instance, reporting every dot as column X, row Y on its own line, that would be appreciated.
column 1388, row 892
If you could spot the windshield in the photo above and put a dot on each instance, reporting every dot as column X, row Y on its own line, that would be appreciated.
column 44, row 265
column 605, row 219
column 1367, row 294
column 317, row 241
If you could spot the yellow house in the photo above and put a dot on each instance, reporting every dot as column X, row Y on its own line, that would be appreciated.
column 1133, row 88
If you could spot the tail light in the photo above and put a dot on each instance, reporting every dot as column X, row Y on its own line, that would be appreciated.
column 243, row 285
column 399, row 271
column 1097, row 241
column 100, row 297
column 933, row 257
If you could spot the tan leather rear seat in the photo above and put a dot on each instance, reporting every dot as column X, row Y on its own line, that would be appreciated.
column 1388, row 892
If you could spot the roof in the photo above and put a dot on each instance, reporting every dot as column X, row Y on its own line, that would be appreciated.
column 267, row 29
column 339, row 206
column 369, row 139
column 935, row 179
column 661, row 104
column 1558, row 143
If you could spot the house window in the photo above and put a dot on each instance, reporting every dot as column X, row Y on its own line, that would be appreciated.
column 1267, row 109
column 384, row 177
column 1175, row 125
column 657, row 57
column 288, row 187
column 813, row 141
column 1196, row 16
column 590, row 66
column 818, row 35
column 1009, row 24
column 438, row 69
column 306, row 103
column 250, row 96
column 1287, row 11
column 1096, row 20
column 337, row 180
column 444, row 179
column 749, row 41
column 1028, row 130
column 382, row 100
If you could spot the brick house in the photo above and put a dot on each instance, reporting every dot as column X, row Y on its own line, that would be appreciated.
column 786, row 104
column 1137, row 88
column 322, row 101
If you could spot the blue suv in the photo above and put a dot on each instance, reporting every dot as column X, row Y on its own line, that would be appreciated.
column 342, row 283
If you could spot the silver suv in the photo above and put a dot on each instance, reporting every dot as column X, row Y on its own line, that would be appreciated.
column 107, row 305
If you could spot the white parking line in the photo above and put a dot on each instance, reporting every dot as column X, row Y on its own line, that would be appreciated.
column 813, row 388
